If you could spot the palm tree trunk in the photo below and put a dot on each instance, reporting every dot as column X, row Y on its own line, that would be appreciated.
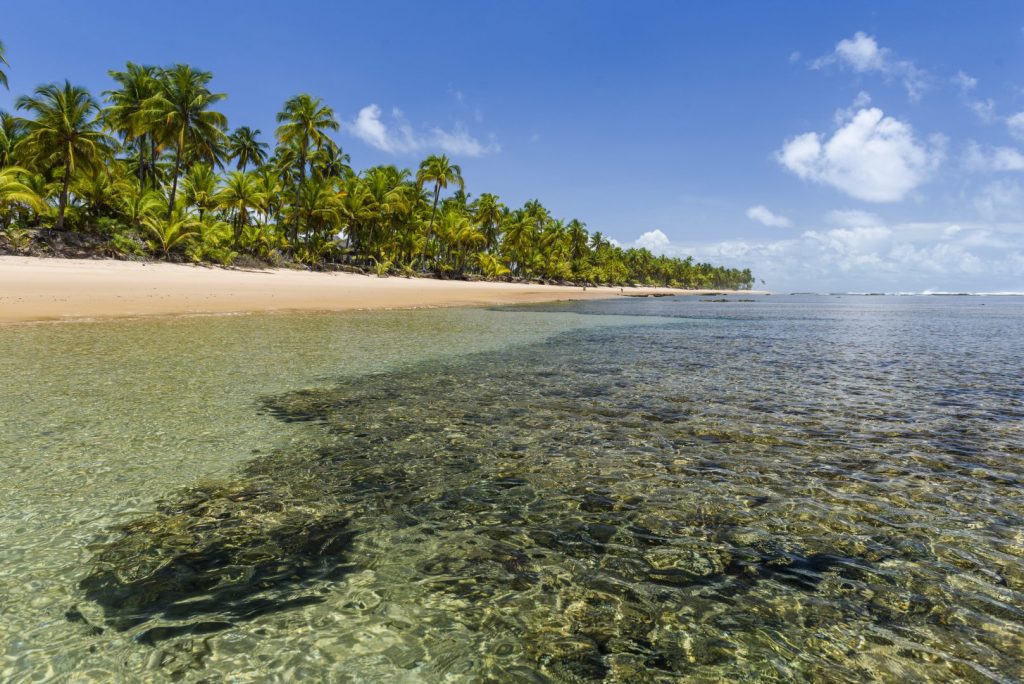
column 142, row 161
column 152, row 161
column 430, row 227
column 174, row 182
column 298, row 194
column 62, row 202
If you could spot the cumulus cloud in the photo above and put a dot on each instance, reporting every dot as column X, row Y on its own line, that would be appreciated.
column 871, row 157
column 862, row 54
column 399, row 137
column 654, row 240
column 764, row 215
column 844, row 114
column 983, row 158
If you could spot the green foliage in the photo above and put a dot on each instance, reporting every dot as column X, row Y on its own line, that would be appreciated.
column 64, row 136
column 16, row 195
column 381, row 268
column 125, row 245
column 163, row 177
column 107, row 226
column 179, row 115
column 317, row 250
column 245, row 148
column 169, row 232
column 491, row 266
column 17, row 239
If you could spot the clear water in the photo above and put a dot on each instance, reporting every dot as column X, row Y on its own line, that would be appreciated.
column 790, row 489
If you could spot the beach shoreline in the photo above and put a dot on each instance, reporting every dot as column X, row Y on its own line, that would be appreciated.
column 34, row 289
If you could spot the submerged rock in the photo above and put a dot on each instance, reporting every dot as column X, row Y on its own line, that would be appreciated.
column 519, row 496
column 231, row 552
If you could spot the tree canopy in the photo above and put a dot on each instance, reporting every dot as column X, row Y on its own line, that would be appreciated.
column 154, row 169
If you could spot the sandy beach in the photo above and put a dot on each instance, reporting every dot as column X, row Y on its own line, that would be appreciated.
column 35, row 289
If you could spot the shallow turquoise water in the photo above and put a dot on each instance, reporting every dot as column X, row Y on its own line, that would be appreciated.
column 811, row 489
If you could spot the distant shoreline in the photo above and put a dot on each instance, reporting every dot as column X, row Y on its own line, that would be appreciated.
column 52, row 289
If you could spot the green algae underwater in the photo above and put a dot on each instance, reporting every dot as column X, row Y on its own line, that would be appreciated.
column 792, row 489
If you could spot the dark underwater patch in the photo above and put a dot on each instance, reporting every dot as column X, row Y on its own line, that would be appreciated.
column 600, row 540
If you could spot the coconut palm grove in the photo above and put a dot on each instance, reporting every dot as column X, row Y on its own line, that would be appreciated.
column 152, row 169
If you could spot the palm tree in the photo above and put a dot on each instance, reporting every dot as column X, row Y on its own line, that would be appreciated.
column 270, row 188
column 200, row 188
column 138, row 83
column 65, row 134
column 11, row 131
column 181, row 110
column 139, row 203
column 491, row 266
column 487, row 212
column 240, row 195
column 3, row 60
column 321, row 208
column 170, row 231
column 577, row 242
column 14, row 191
column 328, row 160
column 243, row 146
column 518, row 243
column 439, row 170
column 304, row 121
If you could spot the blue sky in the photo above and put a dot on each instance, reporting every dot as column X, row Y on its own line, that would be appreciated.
column 827, row 146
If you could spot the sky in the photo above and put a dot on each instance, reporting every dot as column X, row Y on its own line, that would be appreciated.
column 856, row 147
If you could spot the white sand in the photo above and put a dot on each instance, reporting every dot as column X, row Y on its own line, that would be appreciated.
column 38, row 289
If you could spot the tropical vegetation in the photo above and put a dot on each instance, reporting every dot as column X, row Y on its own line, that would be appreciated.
column 150, row 169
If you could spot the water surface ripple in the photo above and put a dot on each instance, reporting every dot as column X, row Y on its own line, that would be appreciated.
column 789, row 490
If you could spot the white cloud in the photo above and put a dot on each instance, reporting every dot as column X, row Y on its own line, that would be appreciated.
column 654, row 240
column 371, row 129
column 979, row 158
column 872, row 157
column 851, row 240
column 1015, row 124
column 983, row 109
column 964, row 82
column 458, row 141
column 844, row 114
column 862, row 54
column 399, row 137
column 794, row 57
column 763, row 214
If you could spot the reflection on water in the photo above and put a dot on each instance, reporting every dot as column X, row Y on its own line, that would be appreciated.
column 812, row 491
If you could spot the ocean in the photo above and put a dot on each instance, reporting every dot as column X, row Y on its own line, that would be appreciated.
column 782, row 488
